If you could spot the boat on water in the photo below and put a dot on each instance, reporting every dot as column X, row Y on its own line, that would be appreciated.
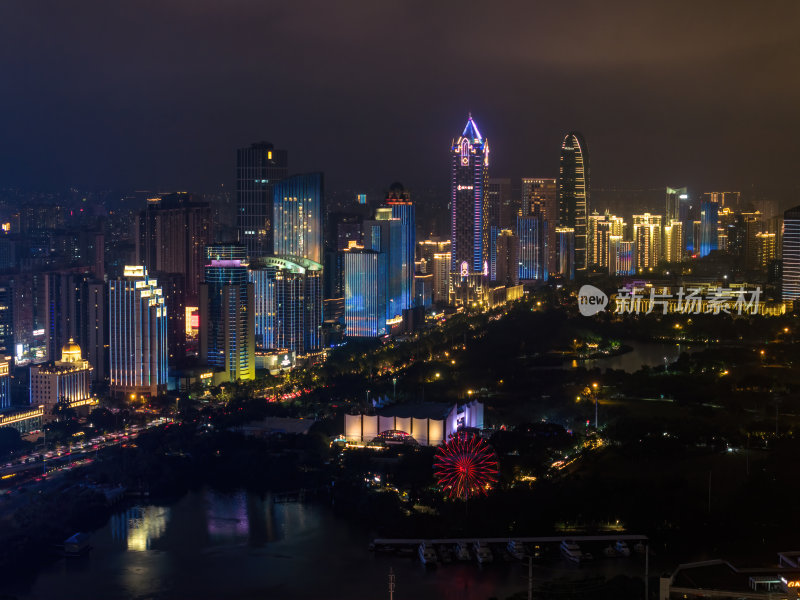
column 571, row 551
column 482, row 553
column 426, row 553
column 462, row 551
column 516, row 549
column 622, row 549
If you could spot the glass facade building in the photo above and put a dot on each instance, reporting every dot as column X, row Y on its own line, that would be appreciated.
column 709, row 223
column 403, row 209
column 790, row 254
column 365, row 280
column 137, row 334
column 288, row 304
column 384, row 234
column 258, row 168
column 226, row 313
column 573, row 192
column 469, row 211
column 298, row 217
column 533, row 250
column 565, row 252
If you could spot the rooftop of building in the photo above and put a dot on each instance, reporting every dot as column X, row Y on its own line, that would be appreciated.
column 419, row 410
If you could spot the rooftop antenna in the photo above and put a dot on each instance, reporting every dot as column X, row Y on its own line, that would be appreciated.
column 391, row 584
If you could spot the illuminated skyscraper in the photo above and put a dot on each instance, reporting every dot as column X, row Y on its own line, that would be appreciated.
column 258, row 168
column 298, row 217
column 441, row 277
column 541, row 194
column 137, row 334
column 673, row 241
column 573, row 192
column 227, row 323
column 365, row 281
column 677, row 204
column 565, row 252
column 533, row 248
column 171, row 237
column 399, row 200
column 766, row 248
column 288, row 303
column 647, row 240
column 790, row 254
column 709, row 223
column 508, row 260
column 469, row 211
column 385, row 234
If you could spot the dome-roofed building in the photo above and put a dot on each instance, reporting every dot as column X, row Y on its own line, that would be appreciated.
column 68, row 380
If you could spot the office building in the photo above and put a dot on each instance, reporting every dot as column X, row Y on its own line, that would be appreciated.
column 137, row 335
column 384, row 234
column 532, row 235
column 573, row 193
column 366, row 283
column 677, row 204
column 423, row 290
column 298, row 217
column 288, row 304
column 540, row 196
column 469, row 216
column 227, row 315
column 709, row 224
column 508, row 258
column 790, row 254
column 565, row 252
column 67, row 380
column 258, row 168
column 399, row 200
column 499, row 201
column 5, row 385
column 171, row 237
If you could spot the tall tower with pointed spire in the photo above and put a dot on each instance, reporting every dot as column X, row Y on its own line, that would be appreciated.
column 469, row 211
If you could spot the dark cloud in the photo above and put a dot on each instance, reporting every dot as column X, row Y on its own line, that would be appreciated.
column 160, row 93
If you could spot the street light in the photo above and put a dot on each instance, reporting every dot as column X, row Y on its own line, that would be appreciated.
column 394, row 384
column 594, row 389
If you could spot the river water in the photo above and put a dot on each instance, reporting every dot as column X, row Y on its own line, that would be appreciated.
column 239, row 546
column 652, row 354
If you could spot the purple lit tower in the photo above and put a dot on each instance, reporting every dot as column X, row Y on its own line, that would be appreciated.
column 469, row 222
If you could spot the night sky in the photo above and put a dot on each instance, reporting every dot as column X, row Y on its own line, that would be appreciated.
column 158, row 94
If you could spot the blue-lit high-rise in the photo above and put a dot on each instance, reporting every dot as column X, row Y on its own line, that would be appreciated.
column 298, row 217
column 532, row 234
column 137, row 335
column 469, row 211
column 227, row 313
column 399, row 200
column 384, row 234
column 288, row 304
column 365, row 283
column 709, row 222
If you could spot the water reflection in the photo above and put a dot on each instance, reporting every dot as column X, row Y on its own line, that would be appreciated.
column 139, row 526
